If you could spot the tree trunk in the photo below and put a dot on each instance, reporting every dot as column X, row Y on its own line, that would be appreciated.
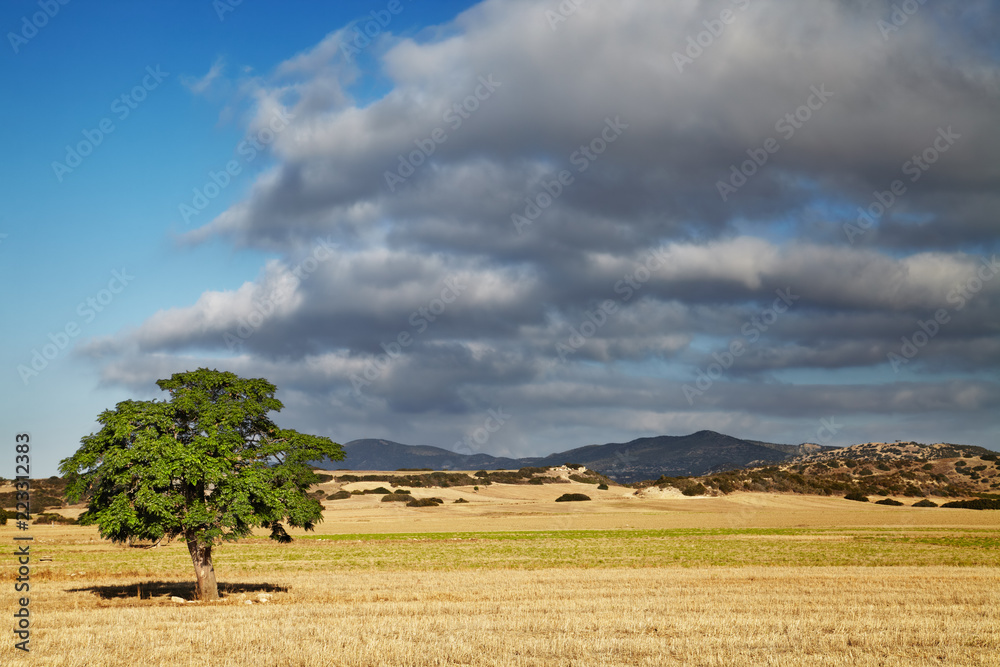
column 201, row 555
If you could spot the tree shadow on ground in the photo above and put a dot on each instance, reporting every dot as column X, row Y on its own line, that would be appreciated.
column 182, row 589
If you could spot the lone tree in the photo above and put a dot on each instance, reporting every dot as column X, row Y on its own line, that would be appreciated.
column 207, row 464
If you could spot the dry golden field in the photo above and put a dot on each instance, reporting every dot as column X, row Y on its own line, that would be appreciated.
column 512, row 578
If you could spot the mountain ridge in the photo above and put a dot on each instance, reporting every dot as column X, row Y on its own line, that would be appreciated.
column 650, row 457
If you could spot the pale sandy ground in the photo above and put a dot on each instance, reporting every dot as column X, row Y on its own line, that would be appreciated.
column 500, row 507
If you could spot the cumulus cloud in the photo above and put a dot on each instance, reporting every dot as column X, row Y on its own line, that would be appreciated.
column 575, row 219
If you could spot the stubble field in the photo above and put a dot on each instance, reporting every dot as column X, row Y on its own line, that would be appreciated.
column 512, row 578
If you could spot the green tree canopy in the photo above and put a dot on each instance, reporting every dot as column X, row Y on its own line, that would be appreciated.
column 207, row 465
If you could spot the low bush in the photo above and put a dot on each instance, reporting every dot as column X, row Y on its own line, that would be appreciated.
column 42, row 519
column 695, row 490
column 339, row 495
column 925, row 503
column 381, row 490
column 461, row 500
column 977, row 504
column 397, row 498
column 3, row 517
column 571, row 497
column 888, row 501
column 324, row 478
column 424, row 502
column 602, row 487
column 854, row 495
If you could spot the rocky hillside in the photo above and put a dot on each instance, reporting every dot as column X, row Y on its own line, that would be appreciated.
column 875, row 468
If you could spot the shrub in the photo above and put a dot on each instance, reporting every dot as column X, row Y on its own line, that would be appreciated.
column 990, row 457
column 481, row 473
column 424, row 502
column 381, row 490
column 959, row 464
column 888, row 501
column 339, row 495
column 925, row 503
column 602, row 487
column 536, row 480
column 912, row 491
column 53, row 519
column 324, row 478
column 864, row 472
column 977, row 504
column 475, row 488
column 574, row 466
column 461, row 500
column 397, row 498
column 927, row 466
column 851, row 463
column 3, row 517
column 854, row 495
column 882, row 466
column 696, row 490
column 571, row 497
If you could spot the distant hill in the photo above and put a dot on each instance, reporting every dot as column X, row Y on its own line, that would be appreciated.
column 870, row 469
column 644, row 458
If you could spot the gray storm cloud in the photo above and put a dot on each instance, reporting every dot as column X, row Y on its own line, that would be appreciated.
column 552, row 168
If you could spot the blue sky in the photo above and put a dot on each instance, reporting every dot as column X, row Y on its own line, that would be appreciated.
column 562, row 78
column 119, row 208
